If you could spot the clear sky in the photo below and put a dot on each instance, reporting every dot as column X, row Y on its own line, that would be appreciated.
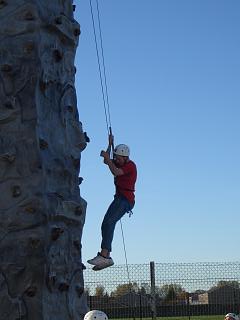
column 173, row 72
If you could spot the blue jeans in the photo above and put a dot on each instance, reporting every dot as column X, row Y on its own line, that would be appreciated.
column 116, row 210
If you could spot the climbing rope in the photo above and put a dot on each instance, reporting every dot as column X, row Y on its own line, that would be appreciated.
column 104, row 69
column 125, row 253
column 106, row 100
column 104, row 93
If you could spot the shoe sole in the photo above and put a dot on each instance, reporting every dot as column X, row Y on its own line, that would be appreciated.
column 98, row 268
column 92, row 263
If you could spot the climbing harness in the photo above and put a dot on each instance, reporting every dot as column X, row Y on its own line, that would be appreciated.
column 106, row 106
column 130, row 213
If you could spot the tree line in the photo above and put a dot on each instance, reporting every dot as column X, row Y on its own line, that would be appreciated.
column 166, row 292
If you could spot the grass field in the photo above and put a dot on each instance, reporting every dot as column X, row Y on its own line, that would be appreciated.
column 218, row 317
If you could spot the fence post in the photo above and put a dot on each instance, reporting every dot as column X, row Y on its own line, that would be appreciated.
column 153, row 291
column 140, row 302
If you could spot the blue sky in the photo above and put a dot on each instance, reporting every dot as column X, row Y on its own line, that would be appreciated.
column 173, row 72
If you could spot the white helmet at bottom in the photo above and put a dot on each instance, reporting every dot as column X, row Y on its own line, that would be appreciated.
column 122, row 150
column 231, row 316
column 95, row 315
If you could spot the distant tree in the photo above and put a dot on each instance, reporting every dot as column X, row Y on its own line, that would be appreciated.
column 233, row 284
column 145, row 289
column 125, row 288
column 160, row 292
column 183, row 297
column 199, row 291
column 87, row 291
column 100, row 291
column 223, row 283
column 171, row 292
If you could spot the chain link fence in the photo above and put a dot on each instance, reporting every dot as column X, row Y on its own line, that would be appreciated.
column 165, row 290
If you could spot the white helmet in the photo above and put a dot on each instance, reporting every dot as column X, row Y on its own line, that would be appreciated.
column 122, row 150
column 95, row 315
column 231, row 316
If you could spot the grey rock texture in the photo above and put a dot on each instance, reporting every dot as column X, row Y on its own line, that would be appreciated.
column 41, row 211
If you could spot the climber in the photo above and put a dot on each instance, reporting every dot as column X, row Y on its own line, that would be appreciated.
column 125, row 175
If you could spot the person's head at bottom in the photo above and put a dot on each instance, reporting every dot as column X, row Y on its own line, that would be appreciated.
column 95, row 315
column 231, row 316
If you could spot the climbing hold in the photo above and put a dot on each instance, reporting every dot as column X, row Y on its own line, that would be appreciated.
column 9, row 105
column 29, row 16
column 42, row 85
column 57, row 55
column 79, row 290
column 77, row 32
column 76, row 163
column 43, row 144
column 65, row 173
column 64, row 286
column 63, row 39
column 70, row 108
column 86, row 137
column 84, row 267
column 58, row 20
column 28, row 48
column 56, row 194
column 56, row 232
column 31, row 291
column 51, row 280
column 30, row 210
column 80, row 180
column 6, row 68
column 77, row 244
column 78, row 211
column 16, row 191
column 74, row 7
column 3, row 3
column 9, row 157
column 34, row 243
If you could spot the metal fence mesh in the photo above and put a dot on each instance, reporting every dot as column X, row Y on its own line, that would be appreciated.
column 165, row 290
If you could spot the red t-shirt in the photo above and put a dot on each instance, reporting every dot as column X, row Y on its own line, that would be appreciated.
column 125, row 184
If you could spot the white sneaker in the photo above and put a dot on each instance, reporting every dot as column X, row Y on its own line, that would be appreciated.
column 95, row 260
column 103, row 263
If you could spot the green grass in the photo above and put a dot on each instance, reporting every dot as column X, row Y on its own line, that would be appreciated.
column 218, row 317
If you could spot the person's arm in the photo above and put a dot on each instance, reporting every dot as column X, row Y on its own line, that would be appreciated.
column 115, row 170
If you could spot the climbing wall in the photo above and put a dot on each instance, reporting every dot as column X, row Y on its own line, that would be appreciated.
column 41, row 138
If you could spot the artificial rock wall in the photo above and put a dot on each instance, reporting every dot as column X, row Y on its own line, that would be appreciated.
column 41, row 139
